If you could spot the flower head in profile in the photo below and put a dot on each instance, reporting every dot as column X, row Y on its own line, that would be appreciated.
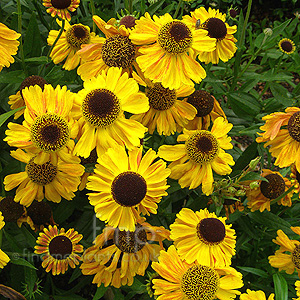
column 48, row 126
column 52, row 180
column 69, row 43
column 115, row 50
column 203, row 237
column 287, row 258
column 287, row 46
column 62, row 8
column 100, row 108
column 8, row 45
column 213, row 22
column 119, row 255
column 255, row 295
column 17, row 100
column 202, row 152
column 59, row 249
column 281, row 133
column 260, row 198
column 167, row 48
column 180, row 280
column 124, row 186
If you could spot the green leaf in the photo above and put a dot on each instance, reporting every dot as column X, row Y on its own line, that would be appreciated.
column 12, row 77
column 37, row 60
column 254, row 271
column 100, row 292
column 281, row 94
column 21, row 262
column 253, row 176
column 8, row 114
column 280, row 286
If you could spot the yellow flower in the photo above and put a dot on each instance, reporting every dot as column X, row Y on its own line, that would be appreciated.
column 17, row 100
column 119, row 255
column 167, row 114
column 126, row 185
column 100, row 109
column 297, row 288
column 4, row 259
column 295, row 175
column 69, row 43
column 167, row 48
column 255, row 295
column 286, row 261
column 203, row 237
column 183, row 281
column 8, row 45
column 48, row 127
column 59, row 249
column 202, row 152
column 214, row 23
column 115, row 50
column 61, row 8
column 287, row 46
column 208, row 109
column 260, row 197
column 52, row 179
column 282, row 135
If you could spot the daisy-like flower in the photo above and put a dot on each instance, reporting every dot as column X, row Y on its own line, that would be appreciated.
column 167, row 50
column 217, row 29
column 126, row 185
column 203, row 237
column 48, row 126
column 287, row 258
column 183, row 281
column 167, row 114
column 297, row 288
column 115, row 50
column 12, row 211
column 255, row 295
column 17, row 100
column 8, row 45
column 59, row 249
column 62, row 8
column 202, row 152
column 282, row 135
column 52, row 179
column 259, row 198
column 119, row 255
column 100, row 109
column 4, row 259
column 287, row 46
column 69, row 43
column 208, row 109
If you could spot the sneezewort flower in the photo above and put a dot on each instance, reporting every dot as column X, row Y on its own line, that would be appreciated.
column 202, row 152
column 62, row 8
column 183, row 281
column 166, row 50
column 255, row 295
column 59, row 249
column 287, row 46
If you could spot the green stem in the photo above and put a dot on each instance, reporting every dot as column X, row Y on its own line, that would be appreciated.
column 20, row 31
column 93, row 13
column 177, row 9
column 41, row 15
column 239, row 51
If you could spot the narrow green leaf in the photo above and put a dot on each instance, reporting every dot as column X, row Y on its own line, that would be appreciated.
column 100, row 292
column 21, row 262
column 6, row 115
column 254, row 271
column 281, row 94
column 280, row 286
column 12, row 77
column 32, row 40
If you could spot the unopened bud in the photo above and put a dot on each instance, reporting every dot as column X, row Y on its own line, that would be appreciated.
column 268, row 31
column 231, row 190
column 254, row 162
column 240, row 193
column 254, row 185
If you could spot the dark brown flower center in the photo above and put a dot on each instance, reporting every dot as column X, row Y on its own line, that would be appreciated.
column 130, row 241
column 296, row 256
column 101, row 107
column 61, row 4
column 31, row 81
column 211, row 231
column 41, row 174
column 128, row 21
column 202, row 146
column 175, row 37
column 294, row 126
column 92, row 159
column 50, row 132
column 11, row 210
column 39, row 212
column 129, row 188
column 118, row 51
column 233, row 13
column 274, row 187
column 203, row 102
column 200, row 283
column 60, row 247
column 78, row 35
column 216, row 28
column 286, row 46
column 161, row 98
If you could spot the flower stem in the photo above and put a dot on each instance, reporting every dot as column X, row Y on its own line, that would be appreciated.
column 177, row 9
column 93, row 13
